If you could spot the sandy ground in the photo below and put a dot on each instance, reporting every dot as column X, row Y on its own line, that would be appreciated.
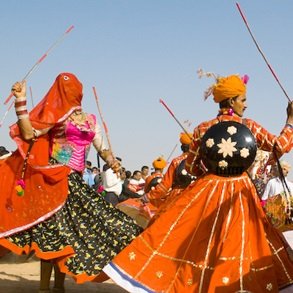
column 19, row 275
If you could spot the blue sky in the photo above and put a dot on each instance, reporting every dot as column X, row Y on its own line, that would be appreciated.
column 136, row 52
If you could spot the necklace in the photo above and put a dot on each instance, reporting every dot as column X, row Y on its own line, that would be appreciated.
column 78, row 117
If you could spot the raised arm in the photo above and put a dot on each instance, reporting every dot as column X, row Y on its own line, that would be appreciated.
column 26, row 129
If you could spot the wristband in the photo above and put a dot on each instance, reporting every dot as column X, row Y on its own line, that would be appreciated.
column 20, row 108
column 289, row 125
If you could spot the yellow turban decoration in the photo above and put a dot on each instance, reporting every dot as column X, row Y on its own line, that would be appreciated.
column 185, row 138
column 159, row 163
column 228, row 87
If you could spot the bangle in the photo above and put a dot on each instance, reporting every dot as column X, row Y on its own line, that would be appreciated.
column 20, row 108
column 289, row 125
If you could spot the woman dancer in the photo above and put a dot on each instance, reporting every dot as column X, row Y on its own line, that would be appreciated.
column 45, row 205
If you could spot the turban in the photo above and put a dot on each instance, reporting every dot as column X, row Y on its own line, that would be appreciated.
column 185, row 138
column 159, row 163
column 228, row 87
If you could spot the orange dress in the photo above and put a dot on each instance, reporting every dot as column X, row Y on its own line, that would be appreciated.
column 215, row 238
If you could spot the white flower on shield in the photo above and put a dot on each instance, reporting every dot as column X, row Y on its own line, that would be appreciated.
column 244, row 153
column 210, row 142
column 226, row 147
column 232, row 130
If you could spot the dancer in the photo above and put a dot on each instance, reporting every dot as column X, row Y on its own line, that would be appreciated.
column 175, row 180
column 156, row 176
column 216, row 237
column 45, row 205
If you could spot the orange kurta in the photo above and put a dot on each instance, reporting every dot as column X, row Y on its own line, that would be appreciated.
column 215, row 238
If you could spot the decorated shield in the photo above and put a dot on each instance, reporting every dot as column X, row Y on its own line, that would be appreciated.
column 228, row 148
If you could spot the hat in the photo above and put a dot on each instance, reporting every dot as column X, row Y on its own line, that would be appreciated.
column 159, row 163
column 228, row 87
column 185, row 138
column 225, row 87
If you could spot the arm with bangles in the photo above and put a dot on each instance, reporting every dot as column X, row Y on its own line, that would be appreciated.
column 27, row 131
column 104, row 152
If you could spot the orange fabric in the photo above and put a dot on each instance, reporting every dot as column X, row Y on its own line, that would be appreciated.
column 211, row 238
column 228, row 87
column 215, row 238
column 46, row 186
column 66, row 252
column 161, row 193
column 150, row 178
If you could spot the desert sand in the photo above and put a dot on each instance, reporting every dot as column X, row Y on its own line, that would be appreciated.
column 21, row 275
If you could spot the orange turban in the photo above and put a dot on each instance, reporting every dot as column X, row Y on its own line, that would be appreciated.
column 159, row 163
column 228, row 87
column 185, row 138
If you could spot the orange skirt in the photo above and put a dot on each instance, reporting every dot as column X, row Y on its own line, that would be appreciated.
column 215, row 238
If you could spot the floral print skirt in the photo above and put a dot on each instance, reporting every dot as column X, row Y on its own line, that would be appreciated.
column 91, row 230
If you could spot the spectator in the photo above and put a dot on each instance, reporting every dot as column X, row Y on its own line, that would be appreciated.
column 88, row 174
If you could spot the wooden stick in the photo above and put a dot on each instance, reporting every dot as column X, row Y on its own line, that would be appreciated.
column 169, row 110
column 103, row 121
column 59, row 40
column 261, row 52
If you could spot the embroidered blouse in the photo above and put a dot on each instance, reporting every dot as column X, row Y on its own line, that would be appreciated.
column 70, row 142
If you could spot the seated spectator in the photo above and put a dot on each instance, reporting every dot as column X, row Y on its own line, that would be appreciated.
column 126, row 191
column 135, row 183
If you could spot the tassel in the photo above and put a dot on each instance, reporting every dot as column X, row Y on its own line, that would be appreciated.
column 20, row 187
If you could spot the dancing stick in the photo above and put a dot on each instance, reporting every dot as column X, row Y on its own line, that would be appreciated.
column 172, row 152
column 5, row 114
column 169, row 110
column 103, row 121
column 41, row 59
column 260, row 51
column 32, row 99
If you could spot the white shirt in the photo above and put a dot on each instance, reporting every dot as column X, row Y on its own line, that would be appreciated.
column 111, row 182
column 275, row 186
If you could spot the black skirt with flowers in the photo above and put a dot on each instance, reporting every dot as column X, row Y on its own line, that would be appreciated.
column 95, row 230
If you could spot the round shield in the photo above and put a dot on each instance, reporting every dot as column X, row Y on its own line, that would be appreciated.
column 228, row 148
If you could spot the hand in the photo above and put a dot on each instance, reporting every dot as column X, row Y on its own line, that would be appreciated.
column 115, row 166
column 19, row 89
column 290, row 113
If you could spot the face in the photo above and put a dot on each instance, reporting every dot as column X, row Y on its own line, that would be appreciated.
column 145, row 171
column 285, row 170
column 137, row 176
column 239, row 105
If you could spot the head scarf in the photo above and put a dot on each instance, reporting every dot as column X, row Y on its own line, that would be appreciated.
column 185, row 138
column 159, row 163
column 64, row 96
column 228, row 87
column 62, row 99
